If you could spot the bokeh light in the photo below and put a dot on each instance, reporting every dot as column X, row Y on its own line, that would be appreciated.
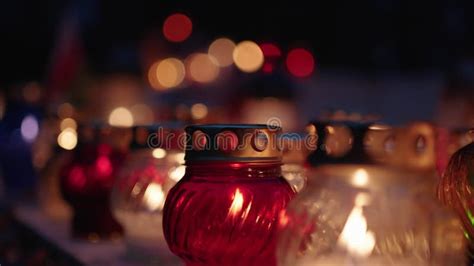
column 67, row 139
column 159, row 153
column 166, row 74
column 154, row 197
column 202, row 67
column 198, row 111
column 152, row 78
column 300, row 62
column 103, row 166
column 170, row 72
column 29, row 128
column 121, row 117
column 68, row 123
column 176, row 173
column 142, row 114
column 271, row 54
column 177, row 27
column 270, row 50
column 248, row 56
column 222, row 49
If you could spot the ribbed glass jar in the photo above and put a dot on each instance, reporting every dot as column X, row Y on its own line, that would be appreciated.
column 225, row 209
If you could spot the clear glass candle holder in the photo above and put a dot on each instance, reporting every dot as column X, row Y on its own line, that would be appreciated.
column 137, row 201
column 353, row 215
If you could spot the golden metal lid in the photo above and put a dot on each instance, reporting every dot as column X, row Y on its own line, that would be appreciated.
column 408, row 147
column 414, row 147
column 339, row 142
column 233, row 142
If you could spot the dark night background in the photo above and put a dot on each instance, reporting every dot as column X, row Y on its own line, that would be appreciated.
column 368, row 35
column 87, row 61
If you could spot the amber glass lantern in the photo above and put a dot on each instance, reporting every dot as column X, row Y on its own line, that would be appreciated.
column 153, row 166
column 87, row 178
column 355, row 211
column 224, row 211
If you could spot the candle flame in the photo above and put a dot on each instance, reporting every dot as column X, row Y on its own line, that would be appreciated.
column 355, row 237
column 283, row 218
column 360, row 178
column 237, row 203
column 154, row 197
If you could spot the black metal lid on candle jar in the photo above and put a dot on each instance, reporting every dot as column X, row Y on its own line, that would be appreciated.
column 233, row 142
column 346, row 142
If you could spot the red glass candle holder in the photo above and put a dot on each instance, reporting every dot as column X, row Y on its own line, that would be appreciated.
column 86, row 181
column 225, row 209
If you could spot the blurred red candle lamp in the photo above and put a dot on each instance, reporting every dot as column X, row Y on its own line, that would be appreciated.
column 87, row 178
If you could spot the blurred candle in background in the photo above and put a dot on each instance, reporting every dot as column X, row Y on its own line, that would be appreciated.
column 139, row 193
column 355, row 211
column 87, row 178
